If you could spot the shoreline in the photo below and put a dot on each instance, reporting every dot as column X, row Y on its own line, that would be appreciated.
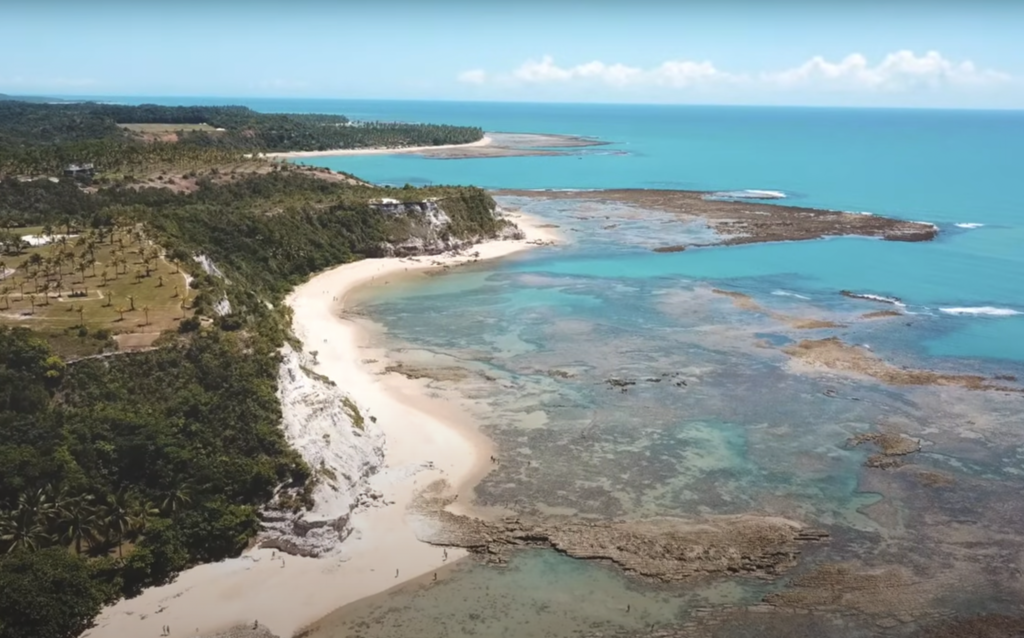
column 427, row 439
column 484, row 141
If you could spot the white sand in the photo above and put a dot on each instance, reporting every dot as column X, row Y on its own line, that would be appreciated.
column 376, row 151
column 287, row 594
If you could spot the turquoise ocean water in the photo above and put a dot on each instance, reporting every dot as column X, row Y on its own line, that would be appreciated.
column 945, row 167
column 720, row 422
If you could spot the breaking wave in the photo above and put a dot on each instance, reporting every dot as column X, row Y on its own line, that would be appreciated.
column 987, row 311
column 896, row 301
column 749, row 193
column 786, row 293
column 969, row 225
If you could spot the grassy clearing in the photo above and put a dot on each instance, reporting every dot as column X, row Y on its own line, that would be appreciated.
column 166, row 128
column 119, row 282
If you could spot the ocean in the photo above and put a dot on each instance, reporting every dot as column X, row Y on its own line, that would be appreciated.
column 720, row 420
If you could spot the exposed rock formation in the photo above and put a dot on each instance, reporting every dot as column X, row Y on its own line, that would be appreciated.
column 343, row 447
column 891, row 447
column 209, row 267
column 664, row 549
column 835, row 355
column 427, row 227
column 745, row 302
column 746, row 222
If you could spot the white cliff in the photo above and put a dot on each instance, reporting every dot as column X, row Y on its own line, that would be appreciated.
column 342, row 445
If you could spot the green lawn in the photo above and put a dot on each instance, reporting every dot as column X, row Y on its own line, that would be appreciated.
column 116, row 292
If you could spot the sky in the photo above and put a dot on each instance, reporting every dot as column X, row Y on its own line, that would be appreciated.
column 895, row 53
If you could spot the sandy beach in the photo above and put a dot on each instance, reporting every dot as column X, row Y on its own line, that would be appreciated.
column 427, row 439
column 376, row 151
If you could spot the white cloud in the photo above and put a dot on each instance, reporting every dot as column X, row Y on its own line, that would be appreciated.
column 902, row 70
column 897, row 71
column 676, row 73
column 473, row 76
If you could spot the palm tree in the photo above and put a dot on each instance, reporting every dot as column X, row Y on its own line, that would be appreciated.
column 131, row 300
column 121, row 310
column 81, row 315
column 103, row 276
column 159, row 281
column 78, row 521
column 22, row 529
column 34, row 260
column 141, row 512
column 116, row 514
column 174, row 499
column 32, row 300
column 25, row 527
column 145, row 311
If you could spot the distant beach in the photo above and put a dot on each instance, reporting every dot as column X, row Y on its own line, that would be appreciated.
column 376, row 151
column 493, row 144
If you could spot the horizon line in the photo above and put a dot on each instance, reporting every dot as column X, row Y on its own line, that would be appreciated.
column 100, row 97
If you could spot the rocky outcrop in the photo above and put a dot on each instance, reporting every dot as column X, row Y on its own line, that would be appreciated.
column 342, row 445
column 749, row 222
column 663, row 549
column 835, row 355
column 209, row 267
column 427, row 229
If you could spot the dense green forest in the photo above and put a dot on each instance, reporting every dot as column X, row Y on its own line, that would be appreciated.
column 35, row 136
column 120, row 471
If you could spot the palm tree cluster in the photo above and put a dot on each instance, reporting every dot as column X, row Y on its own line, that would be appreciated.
column 49, row 517
column 72, row 259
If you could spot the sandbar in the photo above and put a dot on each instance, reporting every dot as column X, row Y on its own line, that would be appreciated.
column 484, row 141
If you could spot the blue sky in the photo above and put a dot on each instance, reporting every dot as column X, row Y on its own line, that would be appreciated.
column 941, row 54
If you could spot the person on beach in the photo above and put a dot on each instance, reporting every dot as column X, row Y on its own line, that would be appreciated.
column 435, row 576
column 396, row 573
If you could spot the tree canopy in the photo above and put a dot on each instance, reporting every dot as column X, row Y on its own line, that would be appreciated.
column 38, row 137
column 122, row 470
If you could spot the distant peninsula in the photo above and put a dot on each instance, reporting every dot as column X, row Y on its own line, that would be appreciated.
column 42, row 137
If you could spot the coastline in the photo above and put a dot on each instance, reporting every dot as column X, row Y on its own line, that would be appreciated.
column 485, row 141
column 426, row 440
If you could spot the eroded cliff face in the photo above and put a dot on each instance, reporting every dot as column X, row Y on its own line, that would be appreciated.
column 343, row 446
column 427, row 229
